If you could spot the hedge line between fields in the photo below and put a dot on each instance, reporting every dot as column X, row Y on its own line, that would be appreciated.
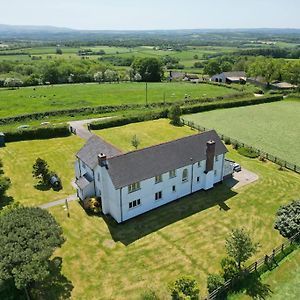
column 37, row 133
column 112, row 108
column 205, row 106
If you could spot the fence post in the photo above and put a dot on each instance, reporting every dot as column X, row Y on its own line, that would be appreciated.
column 255, row 266
column 273, row 254
column 282, row 247
column 266, row 259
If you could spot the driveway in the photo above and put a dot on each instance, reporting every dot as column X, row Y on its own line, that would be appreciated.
column 240, row 179
column 80, row 128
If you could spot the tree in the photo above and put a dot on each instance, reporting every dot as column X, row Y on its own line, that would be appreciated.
column 137, row 77
column 174, row 115
column 98, row 77
column 13, row 82
column 239, row 246
column 4, row 185
column 28, row 238
column 214, row 281
column 185, row 288
column 212, row 68
column 59, row 51
column 110, row 75
column 135, row 142
column 288, row 219
column 151, row 69
column 229, row 268
column 41, row 171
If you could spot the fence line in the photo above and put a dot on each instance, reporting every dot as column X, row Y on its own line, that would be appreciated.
column 275, row 159
column 268, row 260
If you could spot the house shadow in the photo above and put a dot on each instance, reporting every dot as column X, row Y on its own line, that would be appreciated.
column 149, row 222
column 56, row 286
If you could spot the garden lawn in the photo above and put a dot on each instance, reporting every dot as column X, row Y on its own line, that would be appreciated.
column 272, row 127
column 19, row 157
column 104, row 260
column 148, row 133
column 48, row 98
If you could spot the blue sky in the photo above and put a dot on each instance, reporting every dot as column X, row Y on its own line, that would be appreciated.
column 152, row 14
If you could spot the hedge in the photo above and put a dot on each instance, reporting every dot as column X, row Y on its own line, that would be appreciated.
column 228, row 104
column 37, row 133
column 248, row 152
column 120, row 121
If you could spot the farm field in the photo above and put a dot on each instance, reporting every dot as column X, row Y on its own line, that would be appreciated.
column 39, row 99
column 283, row 281
column 272, row 127
column 184, row 237
column 19, row 157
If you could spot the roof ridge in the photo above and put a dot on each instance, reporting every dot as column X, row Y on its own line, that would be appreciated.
column 160, row 144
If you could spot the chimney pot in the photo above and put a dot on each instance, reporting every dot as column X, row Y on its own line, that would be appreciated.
column 102, row 159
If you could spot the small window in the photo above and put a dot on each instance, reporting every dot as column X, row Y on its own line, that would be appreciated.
column 172, row 173
column 98, row 176
column 158, row 178
column 215, row 172
column 134, row 187
column 217, row 158
column 199, row 164
column 184, row 175
column 174, row 188
column 134, row 203
column 158, row 195
column 198, row 179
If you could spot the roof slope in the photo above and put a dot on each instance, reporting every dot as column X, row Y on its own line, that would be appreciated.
column 147, row 163
column 94, row 146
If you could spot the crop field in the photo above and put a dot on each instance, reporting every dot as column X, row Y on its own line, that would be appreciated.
column 45, row 98
column 184, row 237
column 272, row 127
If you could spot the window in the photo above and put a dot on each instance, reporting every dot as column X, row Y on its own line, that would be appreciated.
column 217, row 158
column 158, row 178
column 198, row 179
column 83, row 165
column 172, row 173
column 199, row 164
column 134, row 203
column 133, row 187
column 98, row 177
column 174, row 188
column 184, row 175
column 215, row 172
column 158, row 195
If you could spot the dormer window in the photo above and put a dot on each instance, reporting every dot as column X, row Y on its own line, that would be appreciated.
column 172, row 173
column 184, row 175
column 158, row 178
column 133, row 187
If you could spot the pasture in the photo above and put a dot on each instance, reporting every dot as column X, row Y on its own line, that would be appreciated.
column 47, row 98
column 184, row 237
column 272, row 127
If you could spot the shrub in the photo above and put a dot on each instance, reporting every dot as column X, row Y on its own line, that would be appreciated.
column 229, row 268
column 288, row 219
column 185, row 288
column 214, row 281
column 37, row 133
column 248, row 152
column 92, row 205
column 149, row 295
column 227, row 141
column 174, row 115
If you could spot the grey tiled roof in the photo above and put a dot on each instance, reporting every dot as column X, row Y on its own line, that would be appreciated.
column 94, row 146
column 146, row 163
column 82, row 183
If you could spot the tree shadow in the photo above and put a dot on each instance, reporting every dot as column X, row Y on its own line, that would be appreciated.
column 41, row 186
column 151, row 221
column 6, row 200
column 56, row 286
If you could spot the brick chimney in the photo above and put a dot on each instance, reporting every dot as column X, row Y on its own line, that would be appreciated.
column 210, row 155
column 102, row 160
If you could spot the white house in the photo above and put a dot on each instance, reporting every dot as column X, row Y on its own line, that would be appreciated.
column 230, row 77
column 133, row 183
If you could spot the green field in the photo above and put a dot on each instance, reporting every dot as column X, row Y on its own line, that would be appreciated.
column 45, row 98
column 272, row 127
column 19, row 157
column 184, row 237
column 283, row 281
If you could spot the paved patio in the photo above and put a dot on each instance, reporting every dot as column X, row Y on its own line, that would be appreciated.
column 240, row 179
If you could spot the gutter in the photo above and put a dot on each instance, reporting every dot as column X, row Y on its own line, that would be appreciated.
column 121, row 204
column 192, row 176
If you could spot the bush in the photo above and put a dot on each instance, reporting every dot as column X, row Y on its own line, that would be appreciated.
column 288, row 219
column 37, row 133
column 149, row 295
column 174, row 115
column 248, row 152
column 227, row 141
column 92, row 205
column 185, row 288
column 214, row 281
column 229, row 268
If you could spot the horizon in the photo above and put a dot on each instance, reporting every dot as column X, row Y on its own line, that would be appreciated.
column 134, row 15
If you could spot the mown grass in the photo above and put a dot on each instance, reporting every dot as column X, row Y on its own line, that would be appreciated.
column 19, row 157
column 272, row 127
column 45, row 98
column 184, row 237
column 148, row 133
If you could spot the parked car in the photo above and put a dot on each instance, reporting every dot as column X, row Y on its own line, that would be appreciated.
column 237, row 167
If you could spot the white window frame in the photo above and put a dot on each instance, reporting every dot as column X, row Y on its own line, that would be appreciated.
column 134, row 187
column 172, row 174
column 135, row 203
column 158, row 196
column 158, row 178
column 185, row 178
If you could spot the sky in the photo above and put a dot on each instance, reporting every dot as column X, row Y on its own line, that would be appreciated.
column 152, row 14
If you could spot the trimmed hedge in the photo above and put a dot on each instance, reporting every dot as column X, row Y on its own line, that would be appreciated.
column 37, row 133
column 248, row 152
column 228, row 104
column 120, row 121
